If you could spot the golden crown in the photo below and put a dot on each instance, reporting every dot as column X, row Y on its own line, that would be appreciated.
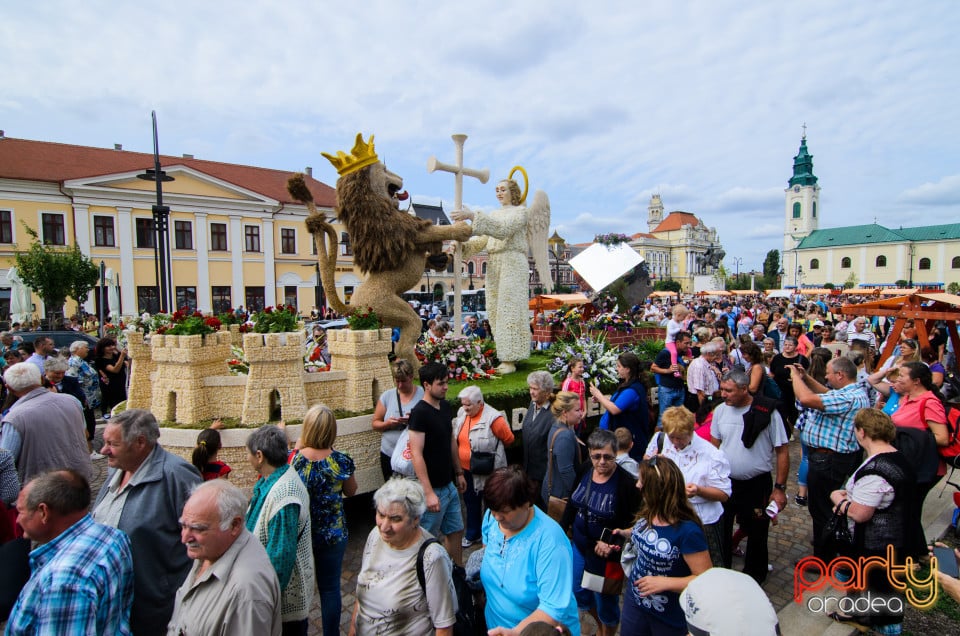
column 361, row 156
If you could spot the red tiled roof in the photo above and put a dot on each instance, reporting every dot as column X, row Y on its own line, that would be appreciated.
column 642, row 235
column 54, row 162
column 676, row 220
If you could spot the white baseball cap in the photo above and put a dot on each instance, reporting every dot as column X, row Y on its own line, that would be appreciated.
column 723, row 602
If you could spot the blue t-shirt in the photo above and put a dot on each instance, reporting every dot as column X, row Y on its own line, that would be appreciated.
column 660, row 551
column 632, row 402
column 531, row 570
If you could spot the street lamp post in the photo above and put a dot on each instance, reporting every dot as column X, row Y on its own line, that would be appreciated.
column 161, row 218
column 738, row 261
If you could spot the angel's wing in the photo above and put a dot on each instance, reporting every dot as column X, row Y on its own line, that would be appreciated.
column 538, row 227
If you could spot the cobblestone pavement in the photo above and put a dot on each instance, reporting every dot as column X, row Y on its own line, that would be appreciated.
column 789, row 540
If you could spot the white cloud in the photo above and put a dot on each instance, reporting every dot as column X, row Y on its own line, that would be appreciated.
column 946, row 191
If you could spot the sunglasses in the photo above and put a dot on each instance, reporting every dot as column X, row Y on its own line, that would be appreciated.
column 598, row 457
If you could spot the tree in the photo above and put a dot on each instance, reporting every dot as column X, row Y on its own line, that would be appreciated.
column 56, row 273
column 669, row 285
column 851, row 281
column 953, row 288
column 771, row 266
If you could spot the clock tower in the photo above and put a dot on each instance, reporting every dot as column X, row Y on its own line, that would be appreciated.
column 801, row 210
column 654, row 212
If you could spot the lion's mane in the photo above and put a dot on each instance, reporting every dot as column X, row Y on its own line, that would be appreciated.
column 382, row 237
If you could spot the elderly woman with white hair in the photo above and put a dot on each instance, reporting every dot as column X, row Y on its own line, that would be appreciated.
column 86, row 375
column 481, row 433
column 56, row 379
column 390, row 598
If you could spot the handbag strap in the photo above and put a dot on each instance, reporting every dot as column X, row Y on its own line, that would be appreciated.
column 550, row 462
column 399, row 404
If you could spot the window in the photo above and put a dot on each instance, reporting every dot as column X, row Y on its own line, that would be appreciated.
column 483, row 268
column 103, row 231
column 924, row 263
column 290, row 295
column 148, row 300
column 145, row 234
column 796, row 210
column 955, row 263
column 251, row 239
column 183, row 235
column 845, row 262
column 348, row 293
column 6, row 226
column 814, row 209
column 470, row 268
column 53, row 229
column 814, row 263
column 220, row 296
column 313, row 245
column 881, row 261
column 345, row 248
column 218, row 237
column 187, row 297
column 288, row 241
column 256, row 298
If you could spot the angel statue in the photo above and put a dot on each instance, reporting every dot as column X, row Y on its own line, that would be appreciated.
column 506, row 235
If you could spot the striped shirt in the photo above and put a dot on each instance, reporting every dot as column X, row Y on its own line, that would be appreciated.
column 82, row 583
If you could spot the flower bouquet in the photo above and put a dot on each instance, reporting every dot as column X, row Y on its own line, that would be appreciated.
column 238, row 362
column 360, row 320
column 599, row 360
column 611, row 240
column 184, row 323
column 276, row 320
column 466, row 358
column 610, row 321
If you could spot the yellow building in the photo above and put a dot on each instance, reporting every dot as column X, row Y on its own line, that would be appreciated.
column 862, row 255
column 236, row 237
column 679, row 247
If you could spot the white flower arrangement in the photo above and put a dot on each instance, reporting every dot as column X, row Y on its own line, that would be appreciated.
column 599, row 360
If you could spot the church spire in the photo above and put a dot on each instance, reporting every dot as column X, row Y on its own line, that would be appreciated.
column 803, row 165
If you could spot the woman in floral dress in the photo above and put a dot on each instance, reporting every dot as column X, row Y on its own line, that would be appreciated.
column 328, row 475
column 89, row 381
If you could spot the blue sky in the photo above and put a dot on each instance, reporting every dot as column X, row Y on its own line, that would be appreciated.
column 605, row 104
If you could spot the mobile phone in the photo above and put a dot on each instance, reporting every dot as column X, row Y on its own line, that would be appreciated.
column 946, row 561
column 607, row 536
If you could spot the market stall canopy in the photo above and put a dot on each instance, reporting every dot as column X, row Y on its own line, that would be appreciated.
column 744, row 292
column 663, row 294
column 779, row 293
column 555, row 301
column 599, row 265
column 715, row 292
column 816, row 291
column 924, row 309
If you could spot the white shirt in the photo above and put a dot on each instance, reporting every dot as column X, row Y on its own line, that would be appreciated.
column 702, row 464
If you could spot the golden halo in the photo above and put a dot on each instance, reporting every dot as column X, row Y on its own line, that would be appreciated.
column 526, row 181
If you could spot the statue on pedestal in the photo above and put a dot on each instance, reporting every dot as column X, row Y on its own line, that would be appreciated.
column 506, row 234
column 390, row 246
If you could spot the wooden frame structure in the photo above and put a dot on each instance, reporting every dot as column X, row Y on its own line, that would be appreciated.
column 924, row 309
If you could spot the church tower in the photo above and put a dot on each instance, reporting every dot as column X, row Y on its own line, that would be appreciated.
column 654, row 212
column 801, row 211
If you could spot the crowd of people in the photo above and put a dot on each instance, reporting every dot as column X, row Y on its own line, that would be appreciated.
column 636, row 521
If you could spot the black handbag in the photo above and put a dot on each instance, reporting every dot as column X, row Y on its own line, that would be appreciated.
column 836, row 534
column 482, row 463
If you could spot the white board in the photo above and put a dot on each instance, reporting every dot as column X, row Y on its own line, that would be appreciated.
column 600, row 265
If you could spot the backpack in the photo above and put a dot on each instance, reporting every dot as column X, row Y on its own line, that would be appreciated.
column 470, row 619
column 951, row 452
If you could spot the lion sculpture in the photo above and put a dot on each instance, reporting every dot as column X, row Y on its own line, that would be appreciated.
column 391, row 247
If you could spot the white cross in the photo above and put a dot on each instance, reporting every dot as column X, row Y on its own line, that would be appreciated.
column 458, row 171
